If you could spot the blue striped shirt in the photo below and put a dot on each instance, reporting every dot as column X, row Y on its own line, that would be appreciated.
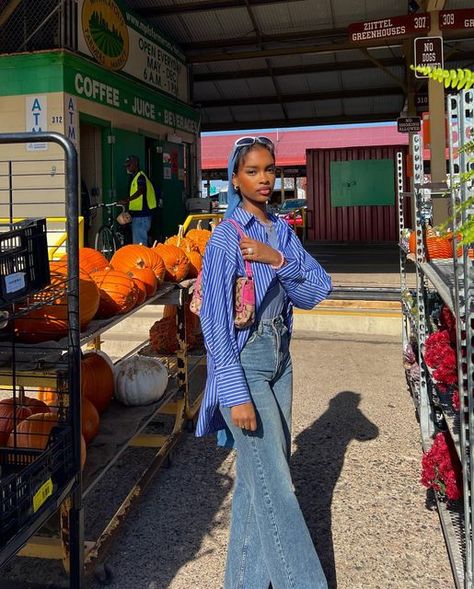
column 305, row 283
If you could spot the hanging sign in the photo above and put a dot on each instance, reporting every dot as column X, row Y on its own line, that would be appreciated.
column 409, row 125
column 395, row 27
column 120, row 41
column 421, row 102
column 456, row 19
column 428, row 51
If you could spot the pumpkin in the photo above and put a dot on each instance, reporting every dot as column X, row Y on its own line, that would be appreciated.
column 50, row 321
column 176, row 262
column 90, row 260
column 140, row 289
column 133, row 256
column 199, row 237
column 117, row 294
column 97, row 379
column 140, row 380
column 195, row 264
column 147, row 277
column 89, row 420
column 48, row 395
column 10, row 417
column 33, row 432
column 179, row 240
column 83, row 452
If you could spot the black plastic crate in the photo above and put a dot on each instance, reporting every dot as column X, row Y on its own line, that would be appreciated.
column 30, row 479
column 24, row 264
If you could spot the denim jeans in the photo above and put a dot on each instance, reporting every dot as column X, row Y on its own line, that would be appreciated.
column 140, row 228
column 269, row 540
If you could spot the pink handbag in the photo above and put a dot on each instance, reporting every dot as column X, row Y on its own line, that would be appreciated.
column 244, row 294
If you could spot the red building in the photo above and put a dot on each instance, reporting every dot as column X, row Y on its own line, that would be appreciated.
column 312, row 153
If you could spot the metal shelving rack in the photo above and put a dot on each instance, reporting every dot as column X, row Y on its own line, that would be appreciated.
column 453, row 281
column 56, row 470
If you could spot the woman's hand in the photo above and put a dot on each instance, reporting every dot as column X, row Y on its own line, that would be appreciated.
column 256, row 251
column 244, row 416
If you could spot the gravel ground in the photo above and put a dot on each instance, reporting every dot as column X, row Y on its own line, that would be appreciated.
column 356, row 464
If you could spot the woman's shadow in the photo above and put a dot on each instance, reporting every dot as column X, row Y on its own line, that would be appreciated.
column 317, row 464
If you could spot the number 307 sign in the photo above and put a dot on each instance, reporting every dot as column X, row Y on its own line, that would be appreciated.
column 428, row 51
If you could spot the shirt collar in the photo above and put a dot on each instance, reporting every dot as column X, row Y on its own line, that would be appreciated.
column 245, row 218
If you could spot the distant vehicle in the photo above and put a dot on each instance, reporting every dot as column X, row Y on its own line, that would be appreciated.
column 290, row 210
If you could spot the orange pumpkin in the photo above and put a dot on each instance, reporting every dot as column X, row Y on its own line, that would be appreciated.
column 10, row 417
column 117, row 294
column 83, row 452
column 50, row 321
column 147, row 277
column 90, row 260
column 179, row 240
column 140, row 289
column 97, row 379
column 176, row 262
column 33, row 432
column 199, row 237
column 195, row 264
column 48, row 396
column 89, row 420
column 133, row 256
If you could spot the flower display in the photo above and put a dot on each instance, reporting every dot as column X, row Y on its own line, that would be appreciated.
column 437, row 345
column 441, row 469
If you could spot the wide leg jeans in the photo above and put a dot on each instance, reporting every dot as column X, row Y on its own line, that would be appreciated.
column 269, row 540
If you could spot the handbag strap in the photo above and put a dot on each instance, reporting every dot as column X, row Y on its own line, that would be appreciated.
column 248, row 266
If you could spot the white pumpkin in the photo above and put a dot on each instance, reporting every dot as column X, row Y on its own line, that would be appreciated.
column 140, row 380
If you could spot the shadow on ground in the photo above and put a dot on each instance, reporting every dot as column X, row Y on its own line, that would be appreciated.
column 317, row 464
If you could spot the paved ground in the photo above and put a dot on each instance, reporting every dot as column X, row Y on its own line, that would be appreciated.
column 356, row 464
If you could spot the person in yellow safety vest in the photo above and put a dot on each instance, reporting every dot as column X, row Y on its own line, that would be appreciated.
column 141, row 201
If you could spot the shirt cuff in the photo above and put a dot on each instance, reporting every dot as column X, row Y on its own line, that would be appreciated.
column 289, row 271
column 232, row 388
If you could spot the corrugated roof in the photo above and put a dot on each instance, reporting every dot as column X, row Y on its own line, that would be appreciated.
column 291, row 146
column 291, row 61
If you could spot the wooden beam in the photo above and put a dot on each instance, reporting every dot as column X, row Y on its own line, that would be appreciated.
column 203, row 6
column 301, row 122
column 302, row 97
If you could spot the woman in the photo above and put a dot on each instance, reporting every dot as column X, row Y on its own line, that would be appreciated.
column 249, row 387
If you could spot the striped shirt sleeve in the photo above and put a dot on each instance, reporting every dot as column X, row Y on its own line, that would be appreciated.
column 217, row 322
column 302, row 277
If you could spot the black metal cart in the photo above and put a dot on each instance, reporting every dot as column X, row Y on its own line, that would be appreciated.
column 40, row 450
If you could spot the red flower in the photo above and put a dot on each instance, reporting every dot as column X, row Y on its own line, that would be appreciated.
column 436, row 346
column 441, row 469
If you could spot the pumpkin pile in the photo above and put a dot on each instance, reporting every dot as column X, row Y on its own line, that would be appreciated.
column 27, row 422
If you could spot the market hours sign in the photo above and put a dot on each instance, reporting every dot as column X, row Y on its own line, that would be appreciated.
column 119, row 41
column 428, row 51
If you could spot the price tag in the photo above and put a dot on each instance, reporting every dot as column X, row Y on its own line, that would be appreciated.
column 42, row 494
column 14, row 282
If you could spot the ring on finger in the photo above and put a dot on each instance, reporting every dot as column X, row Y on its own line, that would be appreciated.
column 250, row 251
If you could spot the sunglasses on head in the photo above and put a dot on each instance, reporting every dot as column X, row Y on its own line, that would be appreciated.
column 248, row 141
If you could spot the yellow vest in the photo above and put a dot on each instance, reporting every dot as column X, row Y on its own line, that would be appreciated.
column 137, row 203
